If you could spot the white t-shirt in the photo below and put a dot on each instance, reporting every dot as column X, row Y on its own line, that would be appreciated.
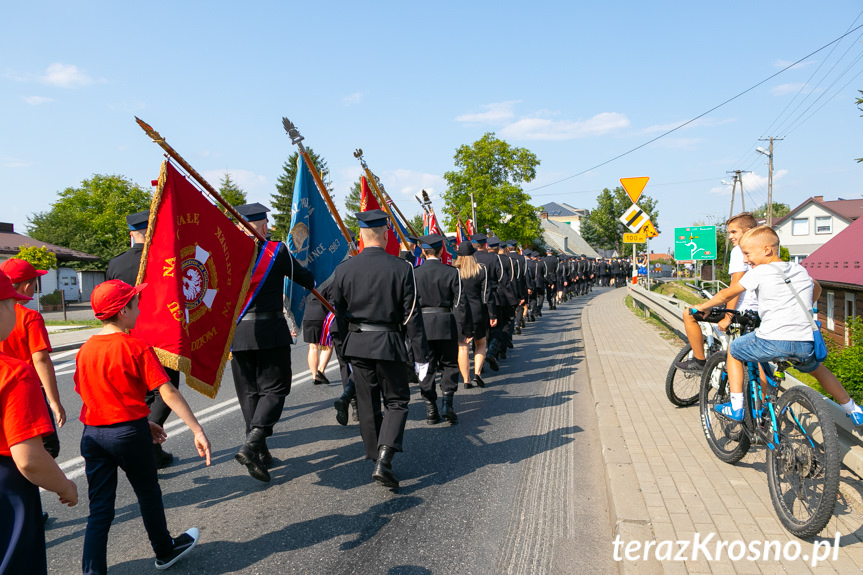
column 748, row 299
column 782, row 318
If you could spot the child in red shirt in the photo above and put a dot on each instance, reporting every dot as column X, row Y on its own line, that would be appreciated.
column 24, row 464
column 114, row 372
column 29, row 342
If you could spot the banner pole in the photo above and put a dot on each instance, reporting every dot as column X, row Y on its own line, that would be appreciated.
column 297, row 139
column 158, row 139
column 358, row 154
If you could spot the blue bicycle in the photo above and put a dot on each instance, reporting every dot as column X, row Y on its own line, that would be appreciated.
column 795, row 426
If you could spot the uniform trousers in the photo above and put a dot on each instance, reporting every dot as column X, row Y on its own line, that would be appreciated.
column 444, row 356
column 549, row 294
column 262, row 378
column 376, row 378
column 532, row 304
column 127, row 446
column 22, row 531
column 159, row 411
column 505, row 323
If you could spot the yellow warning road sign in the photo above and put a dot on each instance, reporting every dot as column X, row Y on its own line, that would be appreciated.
column 634, row 187
column 634, row 218
column 634, row 238
column 648, row 230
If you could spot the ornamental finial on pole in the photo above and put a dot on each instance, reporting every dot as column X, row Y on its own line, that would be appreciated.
column 292, row 131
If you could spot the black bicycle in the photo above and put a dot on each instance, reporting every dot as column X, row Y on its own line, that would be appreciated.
column 798, row 430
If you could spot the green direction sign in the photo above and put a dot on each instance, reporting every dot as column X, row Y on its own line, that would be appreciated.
column 695, row 243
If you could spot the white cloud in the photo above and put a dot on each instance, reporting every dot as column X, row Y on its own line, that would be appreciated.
column 65, row 76
column 699, row 123
column 546, row 129
column 14, row 163
column 352, row 99
column 786, row 63
column 36, row 100
column 494, row 113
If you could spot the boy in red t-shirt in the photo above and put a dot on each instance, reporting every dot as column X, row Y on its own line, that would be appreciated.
column 24, row 464
column 29, row 342
column 114, row 372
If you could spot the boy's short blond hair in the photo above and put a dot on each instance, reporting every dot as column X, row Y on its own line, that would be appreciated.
column 762, row 234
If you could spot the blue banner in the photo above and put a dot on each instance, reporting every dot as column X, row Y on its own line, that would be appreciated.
column 315, row 239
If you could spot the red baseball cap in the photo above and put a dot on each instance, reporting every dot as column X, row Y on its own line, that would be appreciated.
column 109, row 297
column 20, row 270
column 7, row 291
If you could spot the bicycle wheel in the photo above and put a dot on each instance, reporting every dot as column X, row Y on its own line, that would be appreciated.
column 681, row 387
column 803, row 470
column 727, row 439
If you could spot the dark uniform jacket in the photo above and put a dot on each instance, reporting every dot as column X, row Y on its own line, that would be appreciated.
column 551, row 264
column 520, row 263
column 507, row 288
column 540, row 273
column 271, row 331
column 125, row 266
column 377, row 288
column 493, row 272
column 439, row 288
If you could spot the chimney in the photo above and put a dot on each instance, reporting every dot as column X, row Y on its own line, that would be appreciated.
column 819, row 198
column 6, row 227
column 543, row 215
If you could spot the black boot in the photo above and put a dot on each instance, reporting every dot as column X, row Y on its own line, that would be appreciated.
column 249, row 455
column 491, row 360
column 477, row 380
column 265, row 455
column 341, row 411
column 355, row 415
column 163, row 458
column 383, row 472
column 432, row 415
column 447, row 412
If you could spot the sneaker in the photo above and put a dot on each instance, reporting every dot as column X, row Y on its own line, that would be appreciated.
column 182, row 545
column 856, row 417
column 725, row 410
column 691, row 365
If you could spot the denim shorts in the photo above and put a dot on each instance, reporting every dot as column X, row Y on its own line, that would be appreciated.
column 750, row 347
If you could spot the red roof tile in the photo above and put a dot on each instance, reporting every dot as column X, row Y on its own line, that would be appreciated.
column 841, row 259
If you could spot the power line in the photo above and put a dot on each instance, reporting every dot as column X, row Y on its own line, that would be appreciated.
column 699, row 116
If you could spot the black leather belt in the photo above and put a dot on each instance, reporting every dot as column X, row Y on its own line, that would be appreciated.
column 255, row 315
column 361, row 327
column 437, row 310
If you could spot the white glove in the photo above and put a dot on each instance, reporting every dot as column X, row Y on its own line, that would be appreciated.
column 421, row 369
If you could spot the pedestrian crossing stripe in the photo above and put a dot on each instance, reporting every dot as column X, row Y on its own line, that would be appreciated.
column 634, row 218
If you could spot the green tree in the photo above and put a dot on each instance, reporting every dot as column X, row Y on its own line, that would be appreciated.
column 417, row 223
column 494, row 171
column 91, row 218
column 231, row 193
column 284, row 196
column 40, row 257
column 779, row 210
column 352, row 205
column 602, row 229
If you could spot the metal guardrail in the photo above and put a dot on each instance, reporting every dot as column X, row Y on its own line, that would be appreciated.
column 670, row 311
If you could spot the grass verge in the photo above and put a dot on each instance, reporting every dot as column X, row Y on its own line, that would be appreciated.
column 664, row 331
column 84, row 323
column 678, row 291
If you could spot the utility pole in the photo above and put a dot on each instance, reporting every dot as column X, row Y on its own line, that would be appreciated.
column 769, row 155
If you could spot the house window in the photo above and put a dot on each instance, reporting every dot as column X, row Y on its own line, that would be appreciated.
column 823, row 225
column 800, row 227
column 831, row 298
column 850, row 312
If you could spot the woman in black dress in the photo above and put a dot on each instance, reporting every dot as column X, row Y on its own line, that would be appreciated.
column 313, row 328
column 474, row 285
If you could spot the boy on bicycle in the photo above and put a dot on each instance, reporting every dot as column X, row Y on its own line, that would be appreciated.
column 735, row 227
column 785, row 330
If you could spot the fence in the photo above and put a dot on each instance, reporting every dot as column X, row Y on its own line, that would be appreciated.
column 670, row 311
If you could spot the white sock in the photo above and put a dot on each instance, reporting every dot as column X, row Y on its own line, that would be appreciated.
column 737, row 401
column 850, row 407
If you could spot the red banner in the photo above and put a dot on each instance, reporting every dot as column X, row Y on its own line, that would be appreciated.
column 368, row 202
column 197, row 264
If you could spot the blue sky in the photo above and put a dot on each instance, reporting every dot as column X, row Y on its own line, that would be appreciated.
column 576, row 83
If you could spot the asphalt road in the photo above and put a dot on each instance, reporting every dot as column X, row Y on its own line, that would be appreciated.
column 516, row 487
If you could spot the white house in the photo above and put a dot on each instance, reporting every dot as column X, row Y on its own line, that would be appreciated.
column 564, row 213
column 815, row 222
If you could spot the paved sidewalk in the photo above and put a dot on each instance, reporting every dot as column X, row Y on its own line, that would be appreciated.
column 664, row 482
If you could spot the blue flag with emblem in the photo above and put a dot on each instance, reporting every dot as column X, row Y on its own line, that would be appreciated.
column 315, row 239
